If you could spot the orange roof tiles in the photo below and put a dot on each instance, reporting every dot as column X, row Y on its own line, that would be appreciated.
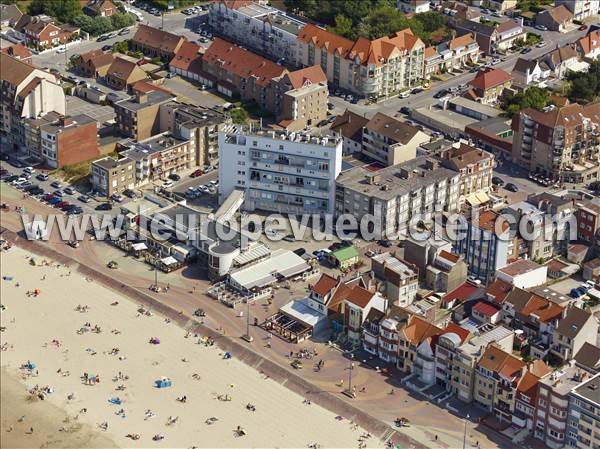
column 313, row 74
column 488, row 79
column 18, row 51
column 187, row 58
column 528, row 383
column 456, row 329
column 242, row 62
column 419, row 329
column 324, row 39
column 498, row 290
column 360, row 297
column 461, row 41
column 496, row 360
column 324, row 285
column 486, row 309
column 590, row 42
column 449, row 256
column 539, row 368
column 487, row 221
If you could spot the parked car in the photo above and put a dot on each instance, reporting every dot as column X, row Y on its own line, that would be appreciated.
column 54, row 201
column 69, row 191
column 104, row 206
column 174, row 177
column 167, row 184
column 511, row 187
column 526, row 50
column 124, row 31
column 84, row 198
column 56, row 185
column 75, row 211
column 541, row 44
column 440, row 94
column 102, row 38
column 106, row 47
column 582, row 28
column 497, row 181
column 61, row 204
column 58, row 193
column 116, row 197
column 404, row 94
column 541, row 27
column 129, row 193
column 299, row 251
column 406, row 110
column 330, row 106
column 197, row 173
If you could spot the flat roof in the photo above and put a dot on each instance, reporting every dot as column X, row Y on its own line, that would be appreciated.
column 161, row 142
column 447, row 118
column 590, row 390
column 151, row 98
column 563, row 380
column 394, row 264
column 489, row 335
column 301, row 311
column 475, row 106
column 400, row 179
column 282, row 264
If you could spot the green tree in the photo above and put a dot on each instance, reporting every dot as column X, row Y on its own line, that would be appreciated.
column 119, row 21
column 239, row 116
column 343, row 27
column 533, row 97
column 431, row 21
column 582, row 89
column 64, row 11
column 306, row 7
column 120, row 47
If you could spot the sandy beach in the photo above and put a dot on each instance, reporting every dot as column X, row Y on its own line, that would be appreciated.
column 112, row 341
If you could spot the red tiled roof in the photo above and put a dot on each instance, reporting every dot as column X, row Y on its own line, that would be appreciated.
column 461, row 293
column 456, row 329
column 151, row 37
column 449, row 256
column 324, row 285
column 145, row 87
column 242, row 63
column 485, row 308
column 590, row 42
column 360, row 297
column 187, row 58
column 314, row 75
column 528, row 384
column 324, row 39
column 490, row 78
column 498, row 290
column 418, row 330
column 18, row 51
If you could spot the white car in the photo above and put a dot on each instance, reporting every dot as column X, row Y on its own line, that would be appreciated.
column 117, row 198
column 214, row 183
column 29, row 170
column 62, row 49
column 404, row 94
column 167, row 184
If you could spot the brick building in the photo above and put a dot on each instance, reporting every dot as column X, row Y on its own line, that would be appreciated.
column 69, row 141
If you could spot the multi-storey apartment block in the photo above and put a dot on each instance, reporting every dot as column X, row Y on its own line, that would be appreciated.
column 395, row 194
column 139, row 117
column 400, row 277
column 279, row 171
column 69, row 141
column 371, row 69
column 261, row 28
column 112, row 176
column 583, row 425
column 560, row 143
column 199, row 125
column 27, row 92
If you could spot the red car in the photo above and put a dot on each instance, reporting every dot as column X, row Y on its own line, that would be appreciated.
column 61, row 204
column 48, row 197
column 583, row 28
column 196, row 173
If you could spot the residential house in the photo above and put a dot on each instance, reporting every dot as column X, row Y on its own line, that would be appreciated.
column 94, row 64
column 562, row 216
column 446, row 273
column 555, row 19
column 156, row 43
column 588, row 358
column 113, row 175
column 530, row 71
column 400, row 278
column 261, row 28
column 446, row 350
column 344, row 257
column 349, row 126
column 523, row 273
column 413, row 6
column 578, row 252
column 536, row 240
column 581, row 9
column 563, row 59
column 100, row 8
column 422, row 252
column 297, row 99
column 381, row 331
column 18, row 51
column 526, row 396
column 69, row 141
column 574, row 329
column 584, row 413
column 42, row 33
column 187, row 61
column 475, row 167
column 457, row 11
column 559, row 143
column 355, row 308
column 454, row 54
column 9, row 16
column 390, row 141
column 372, row 69
column 535, row 315
column 485, row 248
column 591, row 270
column 139, row 117
column 466, row 358
column 500, row 5
column 496, row 378
column 508, row 32
column 486, row 312
column 488, row 85
column 589, row 45
column 493, row 39
column 122, row 72
column 417, row 336
column 498, row 291
column 27, row 92
column 588, row 220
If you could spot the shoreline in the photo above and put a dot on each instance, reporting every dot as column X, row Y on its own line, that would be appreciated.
column 240, row 351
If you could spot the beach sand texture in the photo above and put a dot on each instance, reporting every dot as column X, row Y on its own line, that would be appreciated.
column 281, row 418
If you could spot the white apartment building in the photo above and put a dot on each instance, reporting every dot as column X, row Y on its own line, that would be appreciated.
column 393, row 195
column 580, row 8
column 278, row 171
column 261, row 28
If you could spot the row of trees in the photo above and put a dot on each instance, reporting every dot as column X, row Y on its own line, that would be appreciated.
column 367, row 18
column 100, row 25
column 64, row 11
column 533, row 97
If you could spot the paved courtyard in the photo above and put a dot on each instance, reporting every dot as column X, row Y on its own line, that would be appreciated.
column 101, row 114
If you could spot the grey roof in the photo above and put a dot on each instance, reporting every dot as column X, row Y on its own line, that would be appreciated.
column 152, row 98
column 590, row 390
column 160, row 142
column 588, row 357
column 523, row 64
column 78, row 120
column 573, row 322
column 195, row 116
column 400, row 179
column 476, row 27
column 110, row 162
column 10, row 13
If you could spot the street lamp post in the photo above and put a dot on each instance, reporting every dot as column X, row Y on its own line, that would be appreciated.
column 247, row 335
column 465, row 433
column 348, row 392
